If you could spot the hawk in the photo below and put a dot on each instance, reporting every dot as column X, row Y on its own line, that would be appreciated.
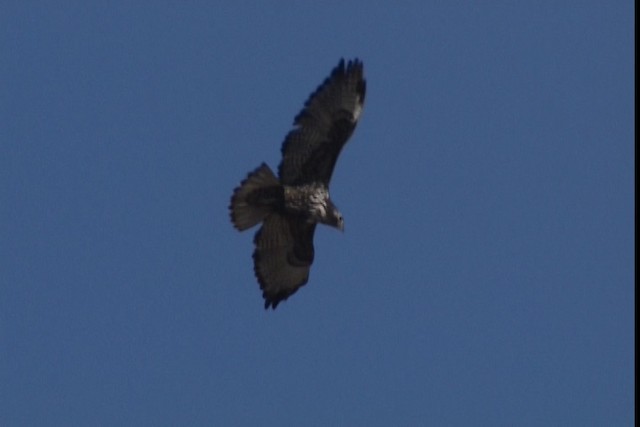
column 290, row 205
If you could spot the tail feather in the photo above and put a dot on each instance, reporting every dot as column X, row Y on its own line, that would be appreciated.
column 254, row 199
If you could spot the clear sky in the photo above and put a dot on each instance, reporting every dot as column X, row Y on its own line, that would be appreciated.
column 486, row 271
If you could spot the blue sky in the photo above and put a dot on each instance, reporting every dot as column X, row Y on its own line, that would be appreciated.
column 485, row 276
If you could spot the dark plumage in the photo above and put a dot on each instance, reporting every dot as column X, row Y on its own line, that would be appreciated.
column 290, row 206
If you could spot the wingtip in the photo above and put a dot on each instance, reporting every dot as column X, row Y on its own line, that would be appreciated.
column 272, row 301
column 343, row 66
column 339, row 69
column 270, row 304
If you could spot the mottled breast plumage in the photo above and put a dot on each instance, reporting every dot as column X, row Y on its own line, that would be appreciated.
column 309, row 200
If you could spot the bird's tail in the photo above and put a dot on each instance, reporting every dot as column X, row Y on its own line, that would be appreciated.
column 256, row 197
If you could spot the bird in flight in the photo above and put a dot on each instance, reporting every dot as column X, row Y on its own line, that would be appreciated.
column 290, row 205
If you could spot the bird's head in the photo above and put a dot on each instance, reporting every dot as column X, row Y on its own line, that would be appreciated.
column 323, row 210
column 334, row 217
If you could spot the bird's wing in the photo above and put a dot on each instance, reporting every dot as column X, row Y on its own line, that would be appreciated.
column 282, row 257
column 324, row 125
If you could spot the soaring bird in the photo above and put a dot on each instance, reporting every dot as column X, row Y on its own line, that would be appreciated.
column 290, row 205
